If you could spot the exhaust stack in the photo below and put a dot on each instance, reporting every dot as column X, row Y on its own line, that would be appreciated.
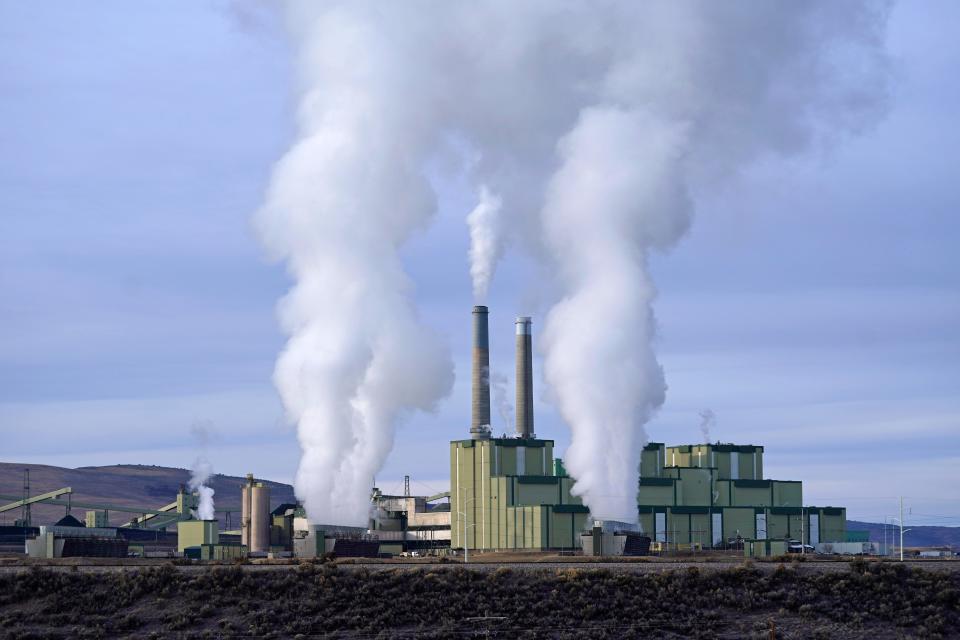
column 524, row 377
column 480, row 422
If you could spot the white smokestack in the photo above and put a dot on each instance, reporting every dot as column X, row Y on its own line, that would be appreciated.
column 202, row 470
column 596, row 125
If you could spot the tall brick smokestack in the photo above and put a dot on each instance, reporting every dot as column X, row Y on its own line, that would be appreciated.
column 524, row 377
column 480, row 423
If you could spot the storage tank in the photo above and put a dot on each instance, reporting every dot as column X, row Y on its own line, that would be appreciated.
column 255, row 515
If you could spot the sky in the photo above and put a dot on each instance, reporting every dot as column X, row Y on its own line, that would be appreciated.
column 813, row 307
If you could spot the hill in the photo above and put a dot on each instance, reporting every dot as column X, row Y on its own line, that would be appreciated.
column 917, row 536
column 131, row 485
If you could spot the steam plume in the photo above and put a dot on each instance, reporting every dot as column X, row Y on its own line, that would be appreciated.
column 202, row 470
column 596, row 125
column 340, row 205
column 485, row 242
column 707, row 419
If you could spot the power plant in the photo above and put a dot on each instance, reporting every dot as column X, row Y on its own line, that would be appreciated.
column 507, row 493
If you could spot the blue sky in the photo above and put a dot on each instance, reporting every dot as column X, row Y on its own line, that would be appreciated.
column 814, row 306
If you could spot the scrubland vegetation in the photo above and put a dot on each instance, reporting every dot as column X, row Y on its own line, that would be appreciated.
column 871, row 600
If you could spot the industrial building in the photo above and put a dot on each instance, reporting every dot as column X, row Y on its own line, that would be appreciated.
column 714, row 495
column 76, row 541
column 506, row 493
column 509, row 493
column 410, row 524
column 167, row 531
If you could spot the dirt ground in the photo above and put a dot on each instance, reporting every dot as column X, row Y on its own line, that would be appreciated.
column 875, row 600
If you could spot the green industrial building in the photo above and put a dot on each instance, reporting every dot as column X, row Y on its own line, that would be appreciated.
column 510, row 493
column 712, row 495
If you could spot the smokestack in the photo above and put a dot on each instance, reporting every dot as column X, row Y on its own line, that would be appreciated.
column 480, row 423
column 524, row 377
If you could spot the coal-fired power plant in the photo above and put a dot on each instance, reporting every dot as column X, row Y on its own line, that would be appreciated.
column 524, row 377
column 507, row 492
column 480, row 413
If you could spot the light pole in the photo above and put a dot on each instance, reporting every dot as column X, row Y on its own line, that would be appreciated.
column 463, row 514
column 902, row 530
column 888, row 535
column 803, row 521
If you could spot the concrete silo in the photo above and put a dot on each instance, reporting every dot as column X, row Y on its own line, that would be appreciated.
column 255, row 516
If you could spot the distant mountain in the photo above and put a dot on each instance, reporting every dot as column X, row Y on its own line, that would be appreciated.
column 917, row 536
column 131, row 485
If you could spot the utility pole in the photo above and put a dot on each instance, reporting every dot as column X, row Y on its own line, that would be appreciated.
column 803, row 543
column 901, row 528
column 25, row 509
column 463, row 505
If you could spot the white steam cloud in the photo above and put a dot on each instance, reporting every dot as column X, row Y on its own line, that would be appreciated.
column 202, row 470
column 596, row 125
column 340, row 205
column 485, row 242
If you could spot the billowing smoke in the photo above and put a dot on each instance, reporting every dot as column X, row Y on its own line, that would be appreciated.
column 202, row 470
column 591, row 130
column 340, row 205
column 485, row 242
column 707, row 419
